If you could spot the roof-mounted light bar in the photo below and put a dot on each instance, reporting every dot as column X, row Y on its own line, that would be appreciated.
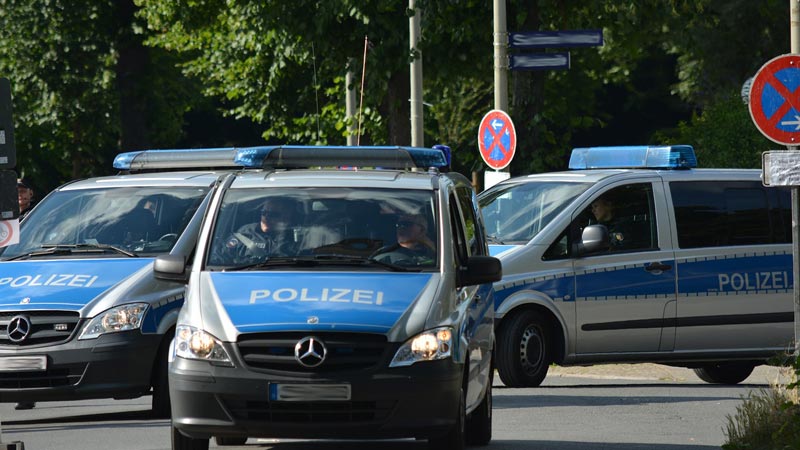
column 193, row 158
column 300, row 156
column 634, row 157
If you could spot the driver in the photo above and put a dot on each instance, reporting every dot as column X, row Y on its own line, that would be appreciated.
column 413, row 244
column 271, row 235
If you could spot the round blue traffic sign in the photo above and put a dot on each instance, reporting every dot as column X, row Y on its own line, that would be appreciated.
column 775, row 100
column 497, row 139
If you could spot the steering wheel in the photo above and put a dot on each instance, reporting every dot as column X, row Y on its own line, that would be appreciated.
column 169, row 237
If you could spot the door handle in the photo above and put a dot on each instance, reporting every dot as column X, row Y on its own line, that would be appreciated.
column 653, row 266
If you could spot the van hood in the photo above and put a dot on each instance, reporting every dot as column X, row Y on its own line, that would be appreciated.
column 303, row 301
column 61, row 284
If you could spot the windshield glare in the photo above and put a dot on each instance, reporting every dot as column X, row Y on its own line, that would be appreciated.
column 137, row 219
column 330, row 225
column 515, row 213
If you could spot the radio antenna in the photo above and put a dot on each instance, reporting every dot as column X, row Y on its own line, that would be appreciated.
column 361, row 101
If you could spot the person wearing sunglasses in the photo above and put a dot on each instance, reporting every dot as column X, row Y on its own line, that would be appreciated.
column 270, row 236
column 413, row 245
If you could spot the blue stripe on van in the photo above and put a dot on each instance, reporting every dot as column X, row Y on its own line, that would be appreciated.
column 61, row 284
column 281, row 301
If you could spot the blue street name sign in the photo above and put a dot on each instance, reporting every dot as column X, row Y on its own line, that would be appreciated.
column 549, row 39
column 538, row 61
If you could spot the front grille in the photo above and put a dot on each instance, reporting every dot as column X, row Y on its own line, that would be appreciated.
column 47, row 327
column 310, row 412
column 275, row 351
column 63, row 376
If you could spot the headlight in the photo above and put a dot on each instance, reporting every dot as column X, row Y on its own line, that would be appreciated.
column 194, row 343
column 120, row 318
column 427, row 346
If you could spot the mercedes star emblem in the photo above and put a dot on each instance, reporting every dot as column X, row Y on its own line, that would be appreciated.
column 19, row 327
column 310, row 352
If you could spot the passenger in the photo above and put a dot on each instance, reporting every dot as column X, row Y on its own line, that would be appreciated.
column 25, row 197
column 413, row 244
column 271, row 235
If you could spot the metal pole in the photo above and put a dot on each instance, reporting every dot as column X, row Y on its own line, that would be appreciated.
column 794, row 24
column 500, row 56
column 417, row 136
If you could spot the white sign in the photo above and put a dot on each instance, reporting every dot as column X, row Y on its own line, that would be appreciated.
column 491, row 177
column 780, row 168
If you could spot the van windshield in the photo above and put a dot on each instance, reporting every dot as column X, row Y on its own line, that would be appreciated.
column 516, row 212
column 267, row 228
column 125, row 221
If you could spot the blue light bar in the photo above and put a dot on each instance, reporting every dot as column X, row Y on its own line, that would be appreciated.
column 634, row 157
column 301, row 156
column 192, row 158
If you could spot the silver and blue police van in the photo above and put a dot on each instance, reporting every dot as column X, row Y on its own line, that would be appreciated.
column 310, row 314
column 693, row 270
column 81, row 315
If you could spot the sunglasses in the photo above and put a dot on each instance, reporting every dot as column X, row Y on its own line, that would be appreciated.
column 273, row 214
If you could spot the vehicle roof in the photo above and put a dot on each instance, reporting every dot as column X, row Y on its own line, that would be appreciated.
column 597, row 175
column 153, row 179
column 392, row 179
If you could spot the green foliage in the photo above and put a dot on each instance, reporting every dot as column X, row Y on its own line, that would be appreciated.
column 723, row 135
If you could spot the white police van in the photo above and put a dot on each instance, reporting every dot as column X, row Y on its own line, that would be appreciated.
column 308, row 313
column 81, row 315
column 694, row 270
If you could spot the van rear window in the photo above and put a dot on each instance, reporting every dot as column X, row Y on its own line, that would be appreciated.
column 730, row 213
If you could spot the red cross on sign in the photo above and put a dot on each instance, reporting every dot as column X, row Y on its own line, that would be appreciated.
column 775, row 100
column 497, row 139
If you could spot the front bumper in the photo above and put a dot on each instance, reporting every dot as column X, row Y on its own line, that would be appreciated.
column 116, row 365
column 416, row 401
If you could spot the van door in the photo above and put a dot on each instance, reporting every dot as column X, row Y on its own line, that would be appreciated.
column 624, row 295
column 734, row 261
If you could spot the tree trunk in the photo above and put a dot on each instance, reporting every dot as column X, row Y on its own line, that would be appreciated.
column 131, row 68
column 398, row 110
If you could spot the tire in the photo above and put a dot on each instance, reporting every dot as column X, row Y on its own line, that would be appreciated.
column 524, row 350
column 181, row 442
column 454, row 439
column 479, row 423
column 161, row 405
column 725, row 373
column 230, row 440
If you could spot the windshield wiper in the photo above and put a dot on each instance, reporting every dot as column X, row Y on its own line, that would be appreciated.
column 311, row 261
column 88, row 248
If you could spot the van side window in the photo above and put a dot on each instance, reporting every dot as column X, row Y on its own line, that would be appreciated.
column 627, row 211
column 725, row 213
column 474, row 239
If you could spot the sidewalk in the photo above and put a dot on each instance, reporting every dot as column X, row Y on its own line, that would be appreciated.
column 648, row 371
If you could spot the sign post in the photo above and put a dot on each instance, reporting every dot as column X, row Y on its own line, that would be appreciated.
column 775, row 110
column 497, row 142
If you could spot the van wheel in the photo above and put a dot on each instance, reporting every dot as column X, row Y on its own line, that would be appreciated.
column 230, row 440
column 524, row 350
column 725, row 373
column 181, row 442
column 161, row 408
column 479, row 423
column 454, row 439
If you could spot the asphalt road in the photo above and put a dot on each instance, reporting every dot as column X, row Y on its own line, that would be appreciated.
column 606, row 407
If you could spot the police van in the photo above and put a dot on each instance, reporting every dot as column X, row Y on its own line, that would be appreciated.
column 691, row 267
column 335, row 292
column 81, row 315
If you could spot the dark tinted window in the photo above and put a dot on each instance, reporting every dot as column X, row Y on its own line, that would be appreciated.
column 716, row 214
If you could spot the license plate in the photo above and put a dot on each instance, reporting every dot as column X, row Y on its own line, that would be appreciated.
column 299, row 392
column 23, row 363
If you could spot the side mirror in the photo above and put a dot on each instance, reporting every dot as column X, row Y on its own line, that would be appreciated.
column 170, row 268
column 593, row 239
column 481, row 269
